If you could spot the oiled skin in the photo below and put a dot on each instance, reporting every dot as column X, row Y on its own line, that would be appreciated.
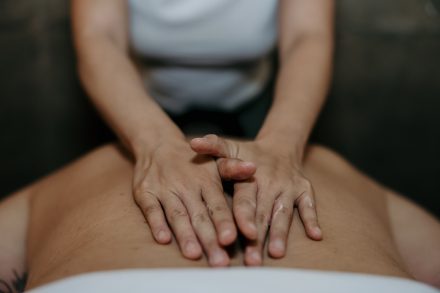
column 84, row 219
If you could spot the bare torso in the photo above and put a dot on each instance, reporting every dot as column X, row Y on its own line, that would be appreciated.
column 84, row 219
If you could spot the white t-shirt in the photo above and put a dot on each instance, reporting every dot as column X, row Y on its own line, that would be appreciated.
column 203, row 53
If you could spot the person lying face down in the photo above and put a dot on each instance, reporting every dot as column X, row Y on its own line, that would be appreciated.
column 83, row 219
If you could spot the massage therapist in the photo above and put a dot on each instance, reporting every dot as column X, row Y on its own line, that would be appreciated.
column 143, row 62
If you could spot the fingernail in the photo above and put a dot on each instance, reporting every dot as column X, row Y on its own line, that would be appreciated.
column 197, row 140
column 255, row 256
column 217, row 258
column 278, row 244
column 162, row 235
column 248, row 164
column 191, row 247
column 316, row 232
column 225, row 234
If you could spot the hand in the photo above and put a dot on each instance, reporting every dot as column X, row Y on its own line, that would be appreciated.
column 266, row 199
column 173, row 183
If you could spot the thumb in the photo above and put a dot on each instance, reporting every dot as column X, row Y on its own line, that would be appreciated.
column 215, row 146
column 235, row 169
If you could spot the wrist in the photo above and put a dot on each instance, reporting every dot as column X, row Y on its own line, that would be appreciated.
column 289, row 147
column 147, row 142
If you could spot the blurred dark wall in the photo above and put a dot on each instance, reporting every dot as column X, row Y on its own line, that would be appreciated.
column 382, row 113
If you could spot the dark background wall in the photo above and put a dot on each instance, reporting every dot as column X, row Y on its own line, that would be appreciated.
column 382, row 113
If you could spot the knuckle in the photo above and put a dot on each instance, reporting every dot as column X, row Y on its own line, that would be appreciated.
column 308, row 212
column 283, row 210
column 217, row 209
column 182, row 192
column 245, row 202
column 138, row 190
column 262, row 219
column 141, row 193
column 137, row 195
column 199, row 218
column 151, row 209
column 144, row 185
column 307, row 201
column 213, row 185
column 178, row 188
column 177, row 214
column 306, row 184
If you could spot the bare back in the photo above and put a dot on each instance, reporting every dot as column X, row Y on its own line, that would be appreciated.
column 84, row 219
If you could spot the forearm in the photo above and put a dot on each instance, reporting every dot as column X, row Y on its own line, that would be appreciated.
column 14, row 212
column 301, row 88
column 117, row 90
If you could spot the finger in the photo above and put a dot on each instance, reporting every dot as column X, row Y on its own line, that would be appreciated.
column 244, row 204
column 214, row 145
column 235, row 169
column 178, row 218
column 220, row 214
column 307, row 211
column 154, row 215
column 254, row 251
column 280, row 225
column 206, row 233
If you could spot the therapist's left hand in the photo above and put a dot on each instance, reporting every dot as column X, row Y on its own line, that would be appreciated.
column 268, row 198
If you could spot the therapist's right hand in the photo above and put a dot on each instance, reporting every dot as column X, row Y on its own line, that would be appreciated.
column 180, row 193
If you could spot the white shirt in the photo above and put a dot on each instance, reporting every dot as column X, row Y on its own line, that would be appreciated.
column 204, row 53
